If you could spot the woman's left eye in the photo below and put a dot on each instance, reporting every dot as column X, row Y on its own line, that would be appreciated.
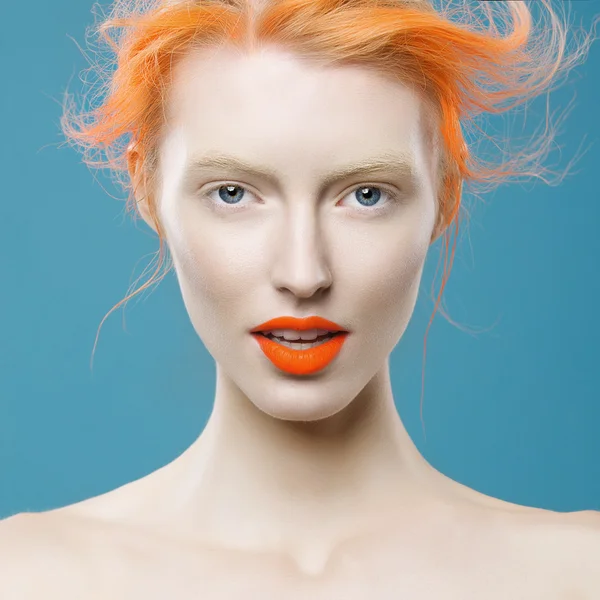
column 370, row 195
column 367, row 197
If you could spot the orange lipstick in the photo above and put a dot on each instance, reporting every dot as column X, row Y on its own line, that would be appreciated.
column 300, row 362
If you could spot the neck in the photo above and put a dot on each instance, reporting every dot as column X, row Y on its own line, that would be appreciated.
column 263, row 484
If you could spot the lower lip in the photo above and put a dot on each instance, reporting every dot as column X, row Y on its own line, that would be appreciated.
column 301, row 362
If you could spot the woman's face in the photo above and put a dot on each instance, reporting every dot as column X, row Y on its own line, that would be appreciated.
column 249, row 247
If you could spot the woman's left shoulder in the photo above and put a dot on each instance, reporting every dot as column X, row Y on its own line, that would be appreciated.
column 561, row 547
column 577, row 530
column 581, row 533
column 582, row 551
column 569, row 544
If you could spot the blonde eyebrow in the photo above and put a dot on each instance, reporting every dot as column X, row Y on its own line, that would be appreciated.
column 401, row 164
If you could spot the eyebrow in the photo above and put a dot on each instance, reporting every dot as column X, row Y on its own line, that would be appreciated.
column 401, row 163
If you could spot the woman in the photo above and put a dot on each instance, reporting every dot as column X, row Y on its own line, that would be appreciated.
column 298, row 159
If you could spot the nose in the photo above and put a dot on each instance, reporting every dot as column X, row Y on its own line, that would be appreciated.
column 300, row 257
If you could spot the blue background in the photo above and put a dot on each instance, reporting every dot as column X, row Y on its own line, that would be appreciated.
column 512, row 411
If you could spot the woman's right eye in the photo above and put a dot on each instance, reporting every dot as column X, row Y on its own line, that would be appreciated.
column 229, row 197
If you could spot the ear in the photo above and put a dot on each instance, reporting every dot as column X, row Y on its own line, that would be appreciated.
column 438, row 227
column 138, row 180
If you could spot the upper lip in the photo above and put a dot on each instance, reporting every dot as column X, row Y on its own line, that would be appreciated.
column 313, row 322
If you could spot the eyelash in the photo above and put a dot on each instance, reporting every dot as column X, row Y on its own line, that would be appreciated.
column 231, row 208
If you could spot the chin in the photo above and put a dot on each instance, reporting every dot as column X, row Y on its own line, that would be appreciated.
column 298, row 407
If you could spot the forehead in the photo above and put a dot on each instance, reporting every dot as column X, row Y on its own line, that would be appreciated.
column 286, row 110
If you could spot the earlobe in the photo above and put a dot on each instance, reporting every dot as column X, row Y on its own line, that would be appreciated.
column 438, row 226
column 136, row 175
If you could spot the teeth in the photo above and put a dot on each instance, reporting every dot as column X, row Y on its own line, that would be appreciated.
column 309, row 334
column 292, row 335
column 288, row 334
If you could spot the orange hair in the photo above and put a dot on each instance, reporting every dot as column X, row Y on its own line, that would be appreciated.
column 460, row 66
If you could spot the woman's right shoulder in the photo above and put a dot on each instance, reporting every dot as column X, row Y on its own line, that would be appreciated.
column 37, row 557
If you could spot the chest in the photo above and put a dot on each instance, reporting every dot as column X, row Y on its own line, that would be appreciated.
column 391, row 573
column 231, row 584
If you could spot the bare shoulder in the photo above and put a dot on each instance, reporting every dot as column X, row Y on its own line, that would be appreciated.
column 65, row 554
column 27, row 535
column 575, row 534
column 566, row 546
column 37, row 558
column 579, row 536
column 557, row 548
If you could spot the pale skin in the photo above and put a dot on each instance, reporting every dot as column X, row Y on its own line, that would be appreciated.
column 299, row 487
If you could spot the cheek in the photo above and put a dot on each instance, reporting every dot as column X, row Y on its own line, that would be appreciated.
column 215, row 282
column 382, row 275
column 214, row 263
